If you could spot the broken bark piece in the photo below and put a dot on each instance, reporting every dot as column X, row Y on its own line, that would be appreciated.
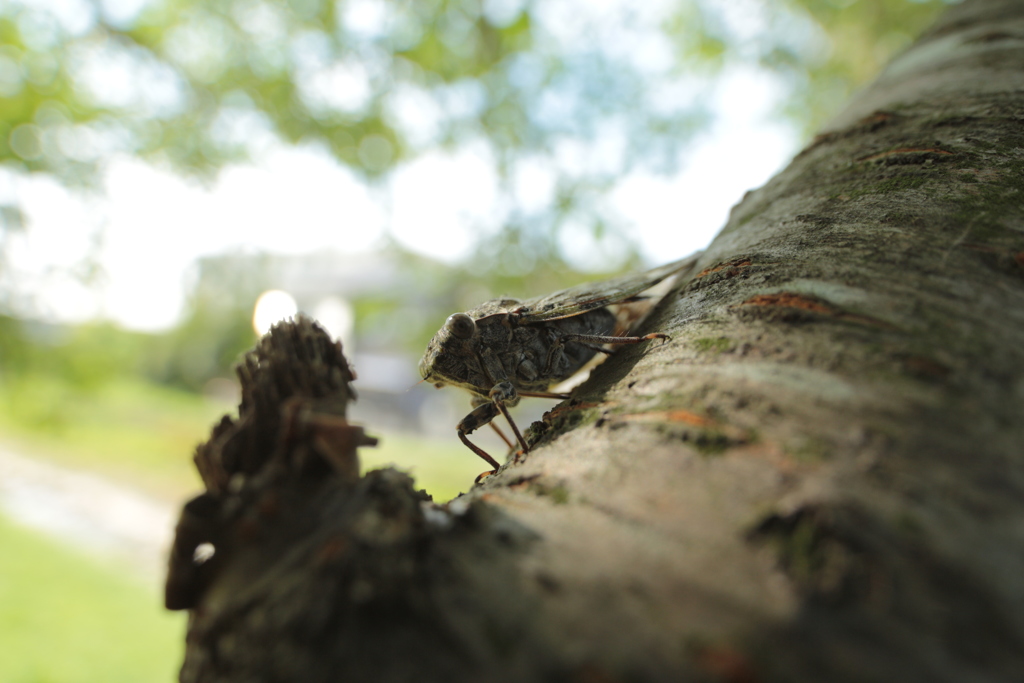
column 291, row 435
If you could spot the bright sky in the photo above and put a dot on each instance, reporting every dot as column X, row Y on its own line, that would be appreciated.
column 152, row 225
column 149, row 228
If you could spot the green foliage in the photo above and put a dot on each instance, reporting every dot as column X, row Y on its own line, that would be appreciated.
column 131, row 430
column 84, row 356
column 442, row 468
column 143, row 434
column 334, row 73
column 81, row 396
column 217, row 328
column 374, row 82
column 860, row 39
column 64, row 617
column 206, row 345
column 38, row 97
column 199, row 84
column 87, row 357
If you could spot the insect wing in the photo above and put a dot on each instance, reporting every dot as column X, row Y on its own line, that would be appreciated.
column 588, row 296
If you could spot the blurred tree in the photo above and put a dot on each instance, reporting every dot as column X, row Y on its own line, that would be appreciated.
column 218, row 324
column 46, row 369
column 574, row 93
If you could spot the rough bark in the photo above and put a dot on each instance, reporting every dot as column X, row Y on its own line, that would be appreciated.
column 819, row 478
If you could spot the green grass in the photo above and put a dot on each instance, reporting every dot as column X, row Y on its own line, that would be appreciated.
column 66, row 618
column 443, row 469
column 143, row 435
column 129, row 430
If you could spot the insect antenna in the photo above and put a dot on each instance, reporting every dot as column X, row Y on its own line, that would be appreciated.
column 414, row 385
column 544, row 394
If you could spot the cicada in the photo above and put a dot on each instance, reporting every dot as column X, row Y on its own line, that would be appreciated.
column 505, row 349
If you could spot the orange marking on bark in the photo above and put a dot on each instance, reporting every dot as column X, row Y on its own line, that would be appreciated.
column 926, row 367
column 904, row 150
column 671, row 416
column 727, row 664
column 332, row 549
column 877, row 117
column 788, row 300
column 523, row 483
column 1017, row 256
column 773, row 454
column 269, row 504
column 738, row 263
column 871, row 121
column 992, row 36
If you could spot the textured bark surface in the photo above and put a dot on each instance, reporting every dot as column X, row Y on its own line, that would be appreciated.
column 819, row 478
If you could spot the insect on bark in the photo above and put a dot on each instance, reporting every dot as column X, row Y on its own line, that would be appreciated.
column 505, row 349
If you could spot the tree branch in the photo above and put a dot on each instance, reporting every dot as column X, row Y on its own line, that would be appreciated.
column 818, row 477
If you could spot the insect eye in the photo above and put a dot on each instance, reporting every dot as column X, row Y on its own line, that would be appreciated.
column 460, row 325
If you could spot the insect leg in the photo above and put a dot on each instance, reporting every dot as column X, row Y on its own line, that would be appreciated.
column 480, row 416
column 544, row 394
column 598, row 339
column 512, row 424
column 502, row 393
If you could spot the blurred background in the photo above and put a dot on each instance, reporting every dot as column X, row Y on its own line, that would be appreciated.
column 175, row 175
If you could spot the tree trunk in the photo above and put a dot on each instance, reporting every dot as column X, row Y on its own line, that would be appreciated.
column 819, row 478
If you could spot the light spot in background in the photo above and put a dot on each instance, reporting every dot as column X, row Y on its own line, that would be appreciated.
column 24, row 141
column 375, row 152
column 338, row 87
column 337, row 317
column 365, row 17
column 272, row 306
